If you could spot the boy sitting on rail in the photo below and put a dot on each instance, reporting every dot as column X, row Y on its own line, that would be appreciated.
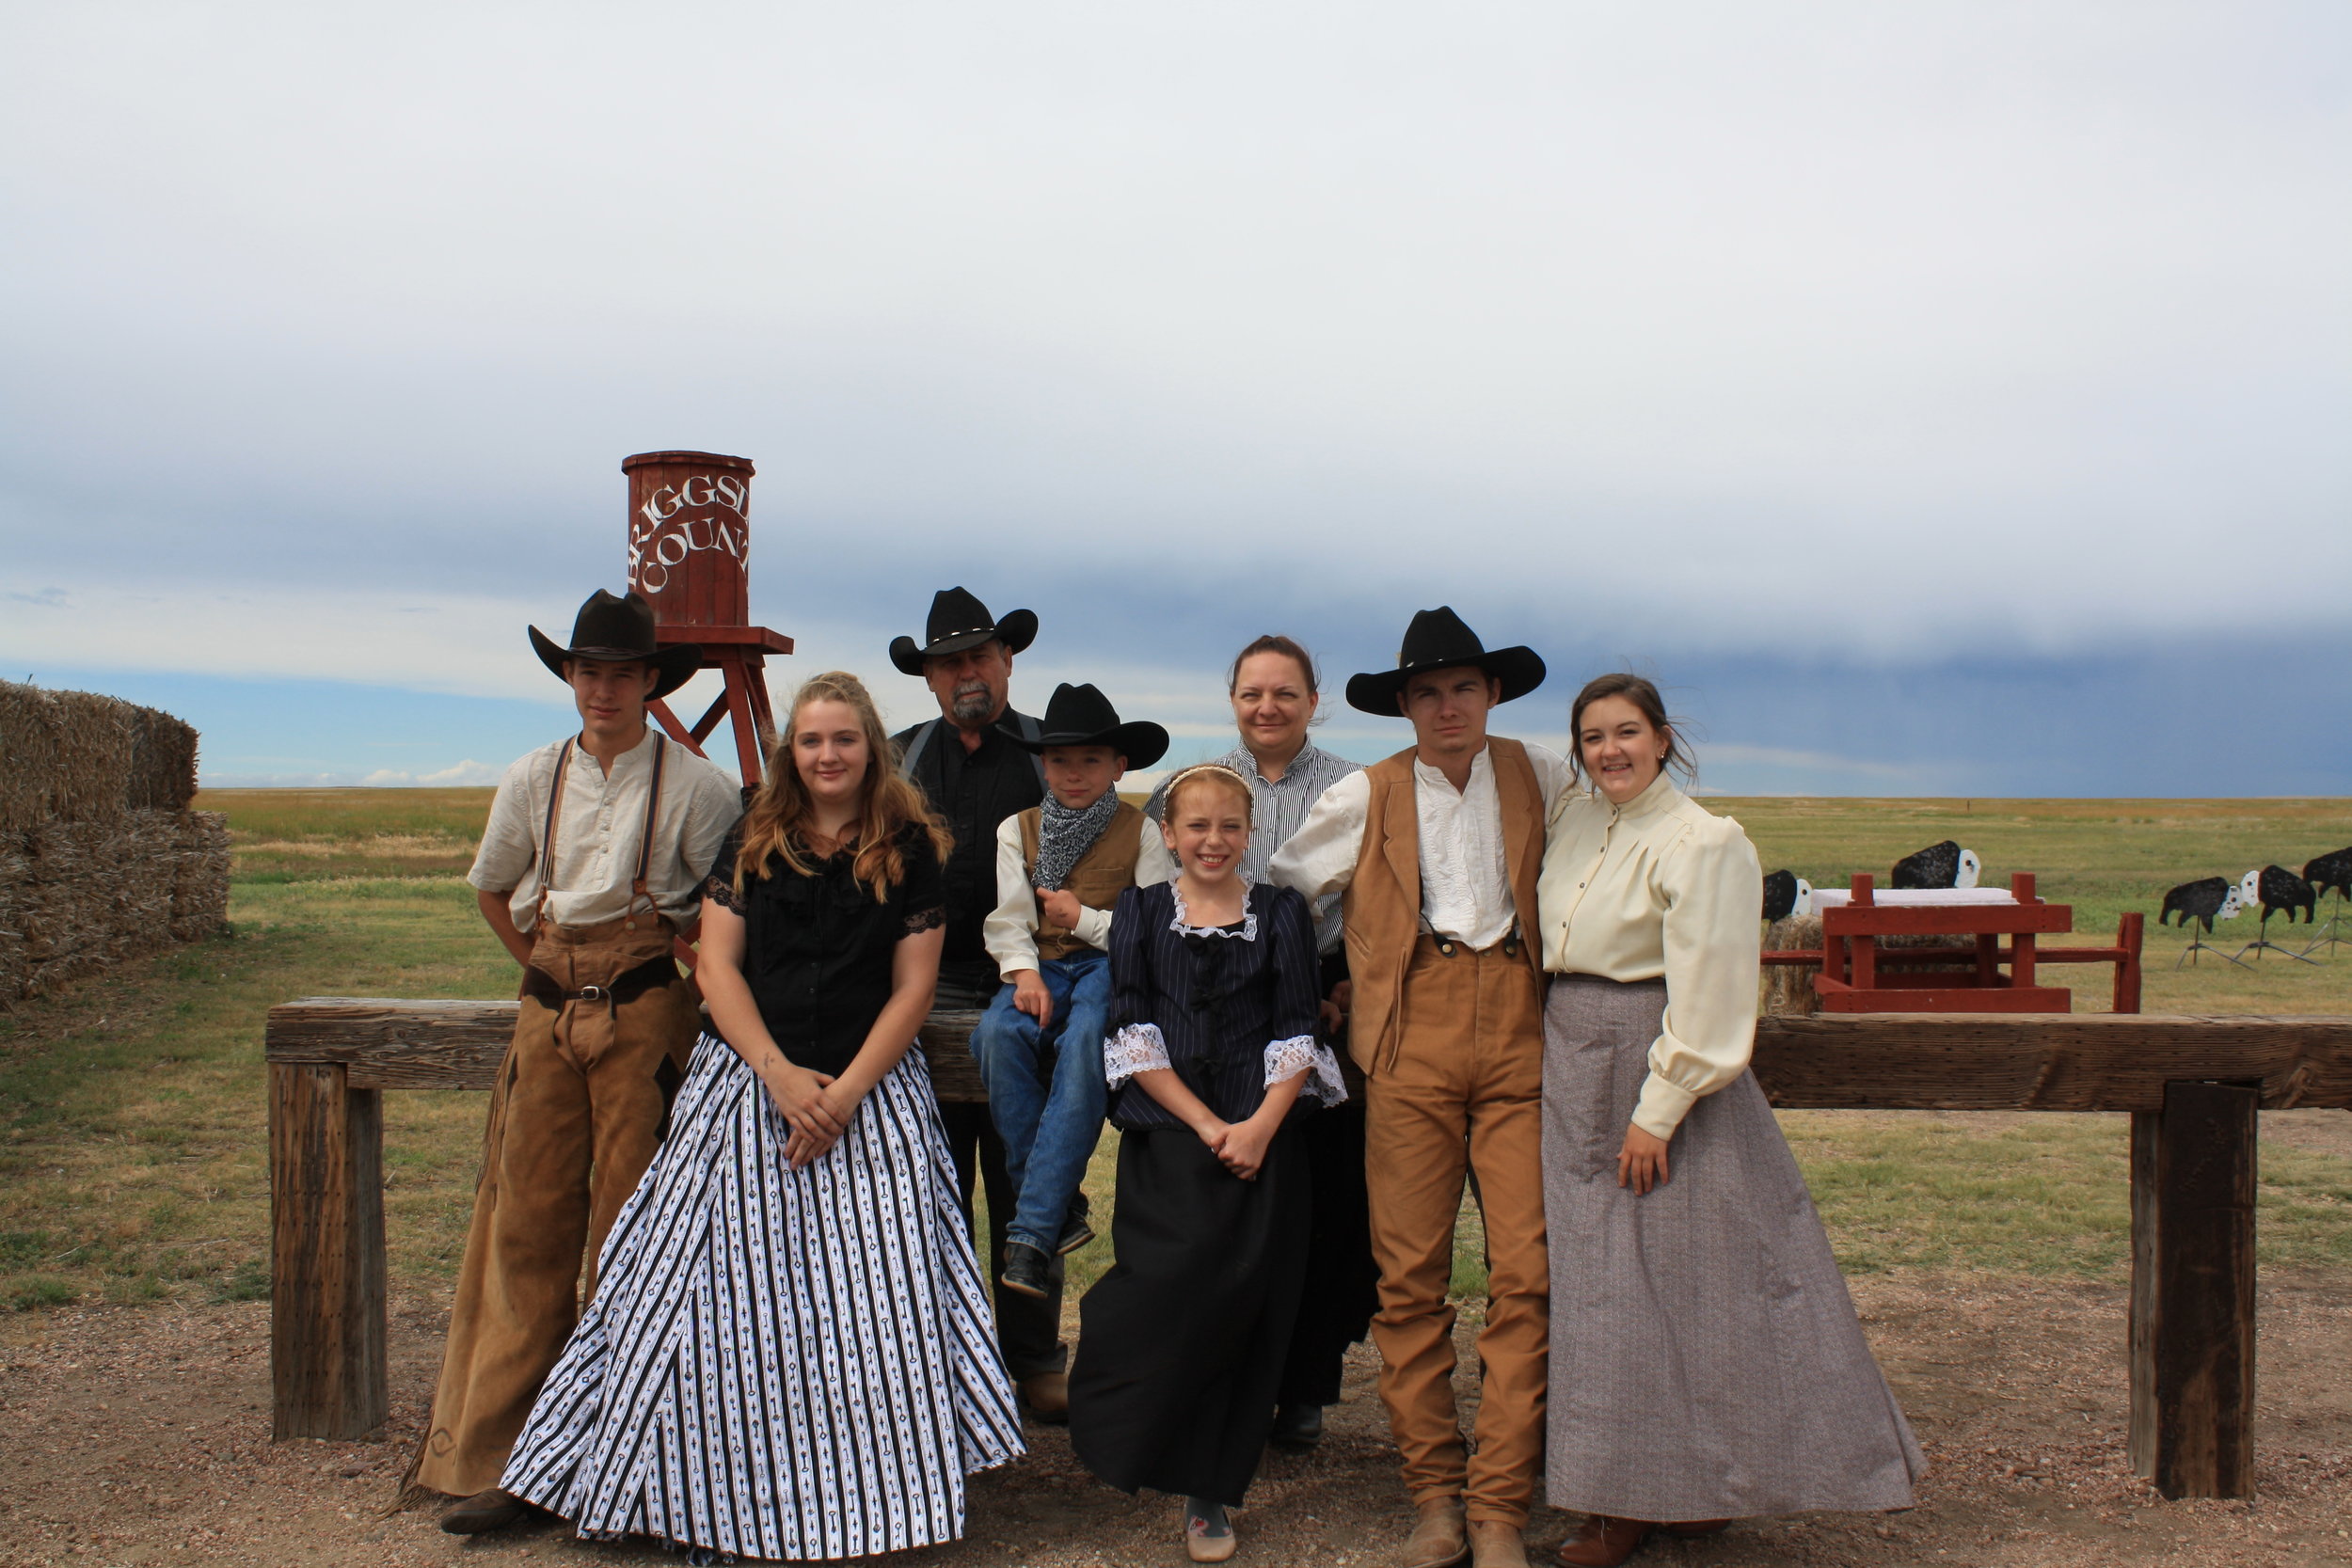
column 1059, row 868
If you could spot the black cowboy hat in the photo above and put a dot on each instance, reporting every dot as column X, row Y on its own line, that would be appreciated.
column 960, row 620
column 1437, row 640
column 610, row 627
column 1082, row 716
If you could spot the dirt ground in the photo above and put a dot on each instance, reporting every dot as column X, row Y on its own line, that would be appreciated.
column 141, row 1436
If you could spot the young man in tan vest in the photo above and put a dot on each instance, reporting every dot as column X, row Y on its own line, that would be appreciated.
column 1437, row 850
column 1059, row 868
column 590, row 867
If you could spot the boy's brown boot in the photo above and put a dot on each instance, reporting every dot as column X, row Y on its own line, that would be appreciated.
column 1440, row 1538
column 1496, row 1545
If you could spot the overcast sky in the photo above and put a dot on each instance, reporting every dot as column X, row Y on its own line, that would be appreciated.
column 1944, row 398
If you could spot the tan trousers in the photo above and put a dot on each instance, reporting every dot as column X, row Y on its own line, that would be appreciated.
column 581, row 1101
column 1466, row 1092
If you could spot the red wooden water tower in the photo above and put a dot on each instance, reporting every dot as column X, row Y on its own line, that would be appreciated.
column 689, row 554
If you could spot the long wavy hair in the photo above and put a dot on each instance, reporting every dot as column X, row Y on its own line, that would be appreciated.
column 776, row 824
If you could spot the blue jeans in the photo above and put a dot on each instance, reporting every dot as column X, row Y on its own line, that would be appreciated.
column 1046, row 1088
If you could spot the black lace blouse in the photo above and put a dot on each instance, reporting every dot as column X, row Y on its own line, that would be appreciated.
column 817, row 948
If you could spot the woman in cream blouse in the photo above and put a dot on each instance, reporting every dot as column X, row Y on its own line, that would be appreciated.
column 1705, row 1361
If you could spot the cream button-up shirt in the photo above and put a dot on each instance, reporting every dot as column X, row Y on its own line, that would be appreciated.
column 1465, row 881
column 599, row 829
column 1658, row 888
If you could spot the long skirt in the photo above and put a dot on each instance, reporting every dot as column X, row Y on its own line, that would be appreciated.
column 1705, row 1359
column 1181, row 1345
column 1341, row 1289
column 779, row 1363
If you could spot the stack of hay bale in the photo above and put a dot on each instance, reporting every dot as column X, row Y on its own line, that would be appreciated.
column 100, row 858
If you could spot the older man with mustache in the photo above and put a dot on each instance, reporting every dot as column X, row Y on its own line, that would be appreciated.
column 974, row 776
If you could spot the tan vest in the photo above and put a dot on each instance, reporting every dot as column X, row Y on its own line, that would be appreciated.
column 1382, row 905
column 1106, row 869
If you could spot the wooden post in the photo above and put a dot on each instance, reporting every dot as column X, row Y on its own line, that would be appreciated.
column 2192, row 1330
column 2129, row 931
column 326, row 1252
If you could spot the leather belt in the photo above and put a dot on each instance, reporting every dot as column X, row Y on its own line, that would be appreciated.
column 628, row 985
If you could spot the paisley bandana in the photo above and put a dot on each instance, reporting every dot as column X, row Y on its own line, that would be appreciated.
column 1064, row 836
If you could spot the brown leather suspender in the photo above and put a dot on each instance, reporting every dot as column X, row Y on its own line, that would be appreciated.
column 644, row 846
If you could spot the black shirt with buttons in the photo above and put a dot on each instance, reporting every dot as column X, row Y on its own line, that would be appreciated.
column 817, row 948
column 973, row 792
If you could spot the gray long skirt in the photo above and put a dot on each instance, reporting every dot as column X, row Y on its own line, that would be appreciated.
column 1705, row 1359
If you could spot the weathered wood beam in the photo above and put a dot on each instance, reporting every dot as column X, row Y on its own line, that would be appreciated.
column 2192, row 1318
column 458, row 1045
column 1877, row 1061
column 2046, row 1061
column 327, row 1327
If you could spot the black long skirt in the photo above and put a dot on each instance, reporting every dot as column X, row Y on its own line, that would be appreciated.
column 1341, row 1289
column 1181, row 1345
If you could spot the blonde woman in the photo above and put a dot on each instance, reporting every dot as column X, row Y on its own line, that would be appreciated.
column 1705, row 1361
column 790, row 1354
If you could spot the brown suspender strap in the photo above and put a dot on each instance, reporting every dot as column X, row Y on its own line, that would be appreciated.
column 644, row 842
column 645, row 846
column 546, row 835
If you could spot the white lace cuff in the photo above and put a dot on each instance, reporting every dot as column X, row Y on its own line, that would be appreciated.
column 1137, row 1048
column 1286, row 1059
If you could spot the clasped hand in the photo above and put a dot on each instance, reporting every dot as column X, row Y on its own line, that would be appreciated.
column 1239, row 1146
column 817, row 1112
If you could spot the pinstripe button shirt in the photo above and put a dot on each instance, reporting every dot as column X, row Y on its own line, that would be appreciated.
column 1279, row 807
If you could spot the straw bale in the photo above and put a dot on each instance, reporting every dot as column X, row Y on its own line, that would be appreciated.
column 82, row 758
column 80, row 898
column 163, row 762
column 199, row 884
column 28, row 753
column 1789, row 987
column 92, row 773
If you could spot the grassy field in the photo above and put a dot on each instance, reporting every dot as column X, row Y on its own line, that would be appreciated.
column 132, row 1157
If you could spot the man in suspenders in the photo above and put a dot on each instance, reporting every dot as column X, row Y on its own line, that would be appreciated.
column 590, row 867
column 975, row 776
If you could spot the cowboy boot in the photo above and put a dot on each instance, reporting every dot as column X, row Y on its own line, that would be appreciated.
column 492, row 1508
column 1496, row 1545
column 1604, row 1542
column 1438, row 1539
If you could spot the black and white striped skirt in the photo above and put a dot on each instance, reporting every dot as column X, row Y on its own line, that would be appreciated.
column 779, row 1363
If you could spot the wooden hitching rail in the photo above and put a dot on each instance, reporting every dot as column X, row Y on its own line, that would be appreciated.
column 2191, row 1085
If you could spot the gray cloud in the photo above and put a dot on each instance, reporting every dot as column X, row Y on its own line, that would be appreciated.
column 1906, row 333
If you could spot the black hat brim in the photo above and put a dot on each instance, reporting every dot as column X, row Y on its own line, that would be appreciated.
column 1521, row 669
column 1016, row 631
column 1140, row 741
column 673, row 666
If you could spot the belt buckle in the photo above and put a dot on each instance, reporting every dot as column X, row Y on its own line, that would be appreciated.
column 594, row 993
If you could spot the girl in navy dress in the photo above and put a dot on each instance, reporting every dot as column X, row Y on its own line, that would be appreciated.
column 1212, row 1059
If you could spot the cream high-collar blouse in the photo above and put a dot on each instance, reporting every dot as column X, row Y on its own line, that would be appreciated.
column 1660, row 888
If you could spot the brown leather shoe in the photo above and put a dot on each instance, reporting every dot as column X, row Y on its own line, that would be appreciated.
column 1439, row 1539
column 492, row 1508
column 1046, row 1397
column 1604, row 1542
column 1496, row 1545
